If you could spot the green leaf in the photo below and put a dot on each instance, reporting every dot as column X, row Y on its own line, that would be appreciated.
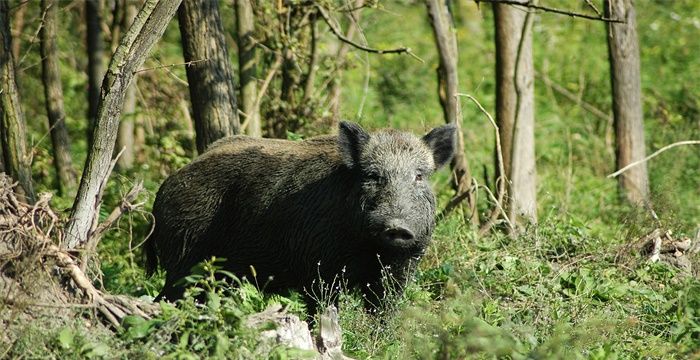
column 222, row 345
column 66, row 338
column 136, row 327
column 95, row 350
column 525, row 289
column 213, row 301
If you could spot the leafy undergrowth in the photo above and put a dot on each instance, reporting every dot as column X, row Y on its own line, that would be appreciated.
column 555, row 291
column 208, row 322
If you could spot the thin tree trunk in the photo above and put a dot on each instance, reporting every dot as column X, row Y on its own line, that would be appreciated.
column 148, row 27
column 448, row 88
column 336, row 89
column 623, row 48
column 95, row 70
column 126, row 132
column 313, row 61
column 2, row 156
column 247, row 66
column 286, row 119
column 290, row 81
column 212, row 90
column 18, row 25
column 53, row 94
column 126, row 135
column 13, row 134
column 515, row 109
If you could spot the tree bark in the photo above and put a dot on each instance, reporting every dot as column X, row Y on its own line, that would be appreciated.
column 448, row 88
column 18, row 25
column 148, row 27
column 53, row 94
column 279, row 125
column 13, row 134
column 515, row 105
column 343, row 48
column 95, row 70
column 126, row 134
column 623, row 49
column 210, row 78
column 247, row 66
column 310, row 79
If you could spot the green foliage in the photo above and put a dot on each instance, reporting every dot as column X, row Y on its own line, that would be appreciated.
column 500, row 298
column 208, row 321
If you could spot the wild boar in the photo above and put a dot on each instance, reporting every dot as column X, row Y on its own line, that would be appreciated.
column 348, row 207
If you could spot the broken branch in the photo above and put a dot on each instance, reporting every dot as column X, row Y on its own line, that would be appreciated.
column 500, row 182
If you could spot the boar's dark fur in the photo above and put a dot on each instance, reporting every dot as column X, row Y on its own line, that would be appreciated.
column 349, row 206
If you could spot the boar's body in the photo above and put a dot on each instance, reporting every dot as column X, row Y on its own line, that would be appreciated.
column 330, row 207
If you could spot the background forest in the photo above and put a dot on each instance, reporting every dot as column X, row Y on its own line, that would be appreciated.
column 575, row 283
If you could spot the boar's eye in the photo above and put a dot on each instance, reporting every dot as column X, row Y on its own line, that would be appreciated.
column 419, row 177
column 374, row 177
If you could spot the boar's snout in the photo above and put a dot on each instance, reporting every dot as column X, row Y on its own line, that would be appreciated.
column 397, row 234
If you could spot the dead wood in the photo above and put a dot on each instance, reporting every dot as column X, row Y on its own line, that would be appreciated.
column 31, row 239
column 661, row 245
column 291, row 331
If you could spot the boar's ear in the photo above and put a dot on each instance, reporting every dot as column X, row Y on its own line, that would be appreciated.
column 442, row 141
column 351, row 138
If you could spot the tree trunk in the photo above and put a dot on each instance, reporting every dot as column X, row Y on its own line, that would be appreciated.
column 126, row 134
column 623, row 49
column 448, row 88
column 310, row 79
column 212, row 90
column 148, row 27
column 336, row 89
column 247, row 66
column 18, row 25
column 95, row 70
column 290, row 82
column 515, row 105
column 53, row 94
column 13, row 134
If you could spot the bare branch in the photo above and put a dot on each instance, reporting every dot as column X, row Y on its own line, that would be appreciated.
column 592, row 6
column 126, row 205
column 529, row 4
column 453, row 203
column 263, row 89
column 113, row 307
column 341, row 37
column 501, row 183
column 572, row 97
column 667, row 147
column 171, row 65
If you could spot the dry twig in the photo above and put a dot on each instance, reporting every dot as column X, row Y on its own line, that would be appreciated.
column 501, row 181
column 341, row 37
column 529, row 4
column 126, row 205
column 263, row 89
column 171, row 65
column 23, row 228
column 657, row 152
column 572, row 97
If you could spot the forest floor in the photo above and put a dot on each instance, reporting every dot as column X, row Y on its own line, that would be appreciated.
column 553, row 291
